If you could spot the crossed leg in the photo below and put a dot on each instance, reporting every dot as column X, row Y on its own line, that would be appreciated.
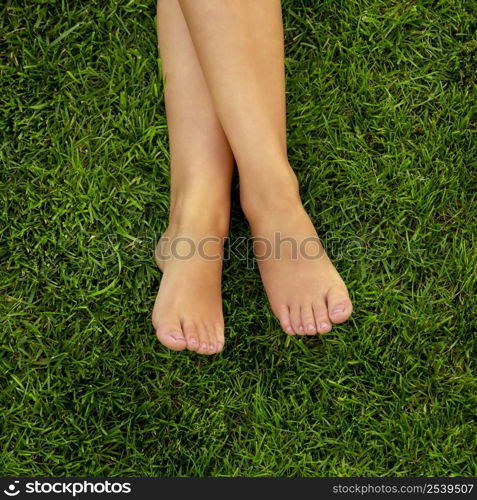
column 239, row 44
column 224, row 67
column 188, row 309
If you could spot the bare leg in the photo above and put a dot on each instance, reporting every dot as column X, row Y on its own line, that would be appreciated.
column 188, row 309
column 240, row 48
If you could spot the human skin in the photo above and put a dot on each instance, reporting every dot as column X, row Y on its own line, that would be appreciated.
column 188, row 310
column 237, row 48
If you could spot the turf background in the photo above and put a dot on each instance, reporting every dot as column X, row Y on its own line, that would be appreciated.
column 382, row 134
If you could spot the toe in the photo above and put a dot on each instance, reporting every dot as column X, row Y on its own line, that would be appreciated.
column 204, row 343
column 308, row 319
column 339, row 304
column 283, row 315
column 295, row 317
column 323, row 323
column 170, row 334
column 191, row 335
column 220, row 337
column 213, row 342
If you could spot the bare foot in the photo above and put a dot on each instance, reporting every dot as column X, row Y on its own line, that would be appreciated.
column 187, row 313
column 305, row 291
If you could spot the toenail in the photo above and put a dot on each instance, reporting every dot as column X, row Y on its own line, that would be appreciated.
column 324, row 325
column 300, row 329
column 339, row 309
column 289, row 329
column 177, row 336
column 193, row 341
column 203, row 345
column 311, row 327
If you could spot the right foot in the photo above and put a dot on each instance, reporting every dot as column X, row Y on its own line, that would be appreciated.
column 187, row 313
column 306, row 292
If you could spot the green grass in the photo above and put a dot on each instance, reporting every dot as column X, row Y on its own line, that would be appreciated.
column 382, row 107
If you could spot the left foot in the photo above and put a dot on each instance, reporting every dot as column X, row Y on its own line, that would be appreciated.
column 187, row 313
column 305, row 290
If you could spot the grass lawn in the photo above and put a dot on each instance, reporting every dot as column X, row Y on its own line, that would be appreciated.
column 382, row 108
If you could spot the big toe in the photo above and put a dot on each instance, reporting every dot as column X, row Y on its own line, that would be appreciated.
column 170, row 334
column 219, row 336
column 339, row 304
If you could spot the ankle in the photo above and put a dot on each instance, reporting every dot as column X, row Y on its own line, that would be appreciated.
column 196, row 215
column 273, row 193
